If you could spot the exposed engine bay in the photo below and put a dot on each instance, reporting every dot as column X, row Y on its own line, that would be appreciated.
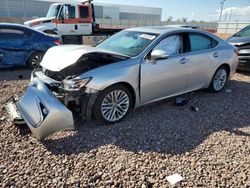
column 86, row 63
column 66, row 85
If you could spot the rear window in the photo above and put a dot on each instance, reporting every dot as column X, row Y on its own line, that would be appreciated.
column 201, row 42
column 84, row 12
column 72, row 12
column 6, row 33
column 245, row 32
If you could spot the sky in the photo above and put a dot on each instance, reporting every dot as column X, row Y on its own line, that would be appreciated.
column 205, row 10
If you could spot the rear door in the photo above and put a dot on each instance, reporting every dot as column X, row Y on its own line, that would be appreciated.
column 201, row 59
column 15, row 46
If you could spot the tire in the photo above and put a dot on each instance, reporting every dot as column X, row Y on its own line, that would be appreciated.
column 219, row 80
column 35, row 59
column 103, row 106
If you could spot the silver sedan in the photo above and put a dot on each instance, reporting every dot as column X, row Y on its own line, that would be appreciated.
column 130, row 69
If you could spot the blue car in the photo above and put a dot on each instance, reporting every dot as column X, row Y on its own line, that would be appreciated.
column 21, row 46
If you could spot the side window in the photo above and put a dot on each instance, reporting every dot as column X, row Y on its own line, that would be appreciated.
column 172, row 45
column 84, row 12
column 201, row 42
column 72, row 12
column 245, row 32
column 7, row 34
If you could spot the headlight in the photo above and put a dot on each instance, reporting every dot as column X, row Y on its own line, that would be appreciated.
column 75, row 84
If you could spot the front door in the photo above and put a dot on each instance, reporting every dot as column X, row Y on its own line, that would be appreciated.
column 74, row 20
column 164, row 77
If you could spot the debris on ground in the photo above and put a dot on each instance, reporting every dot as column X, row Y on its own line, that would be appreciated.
column 194, row 108
column 2, row 118
column 228, row 91
column 174, row 179
column 181, row 101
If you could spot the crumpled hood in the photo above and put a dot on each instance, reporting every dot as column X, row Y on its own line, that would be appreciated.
column 60, row 57
column 238, row 40
column 36, row 21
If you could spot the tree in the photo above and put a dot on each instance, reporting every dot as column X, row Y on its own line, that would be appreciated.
column 178, row 20
column 170, row 19
column 107, row 17
column 183, row 19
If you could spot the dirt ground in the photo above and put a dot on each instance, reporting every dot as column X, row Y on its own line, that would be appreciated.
column 208, row 148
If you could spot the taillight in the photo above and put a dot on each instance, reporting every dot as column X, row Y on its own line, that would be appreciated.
column 58, row 42
column 237, row 51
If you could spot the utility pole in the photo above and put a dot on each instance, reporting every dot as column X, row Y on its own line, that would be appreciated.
column 221, row 10
column 7, row 6
column 230, row 16
column 225, row 17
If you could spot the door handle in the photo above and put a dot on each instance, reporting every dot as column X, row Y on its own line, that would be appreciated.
column 216, row 54
column 183, row 60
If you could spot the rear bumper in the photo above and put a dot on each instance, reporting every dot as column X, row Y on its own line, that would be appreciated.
column 244, row 63
column 244, row 60
column 43, row 112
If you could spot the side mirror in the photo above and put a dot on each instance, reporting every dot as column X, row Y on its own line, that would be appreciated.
column 158, row 54
column 65, row 12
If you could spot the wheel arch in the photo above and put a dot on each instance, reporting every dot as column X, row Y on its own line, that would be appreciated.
column 227, row 66
column 130, row 88
column 228, row 69
column 32, row 53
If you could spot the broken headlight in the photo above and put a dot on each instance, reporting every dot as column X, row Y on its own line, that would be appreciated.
column 75, row 84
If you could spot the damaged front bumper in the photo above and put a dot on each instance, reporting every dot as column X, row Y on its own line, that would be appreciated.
column 42, row 111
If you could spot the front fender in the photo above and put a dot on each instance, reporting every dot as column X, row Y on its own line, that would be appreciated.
column 104, row 77
column 46, row 27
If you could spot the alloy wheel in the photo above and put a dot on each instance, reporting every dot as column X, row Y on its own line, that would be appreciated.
column 36, row 60
column 115, row 105
column 220, row 79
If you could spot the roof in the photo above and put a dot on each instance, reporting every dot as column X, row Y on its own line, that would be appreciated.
column 13, row 25
column 20, row 26
column 161, row 30
column 158, row 29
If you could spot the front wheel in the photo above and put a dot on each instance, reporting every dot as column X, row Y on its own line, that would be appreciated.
column 35, row 59
column 113, row 104
column 219, row 80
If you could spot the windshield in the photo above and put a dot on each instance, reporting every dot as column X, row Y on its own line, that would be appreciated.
column 53, row 11
column 129, row 43
column 244, row 32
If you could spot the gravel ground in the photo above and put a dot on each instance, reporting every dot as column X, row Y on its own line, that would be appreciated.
column 209, row 148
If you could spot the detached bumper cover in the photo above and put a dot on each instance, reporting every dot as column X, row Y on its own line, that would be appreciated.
column 244, row 59
column 43, row 112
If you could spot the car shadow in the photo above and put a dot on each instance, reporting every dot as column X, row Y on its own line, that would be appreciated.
column 162, row 127
column 9, row 74
column 246, row 73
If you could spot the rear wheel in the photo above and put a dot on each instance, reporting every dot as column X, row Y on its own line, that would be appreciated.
column 35, row 59
column 219, row 79
column 113, row 104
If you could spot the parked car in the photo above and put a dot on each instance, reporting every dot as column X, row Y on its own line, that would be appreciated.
column 131, row 68
column 20, row 45
column 241, row 40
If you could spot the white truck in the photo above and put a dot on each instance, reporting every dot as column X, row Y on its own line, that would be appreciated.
column 72, row 22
